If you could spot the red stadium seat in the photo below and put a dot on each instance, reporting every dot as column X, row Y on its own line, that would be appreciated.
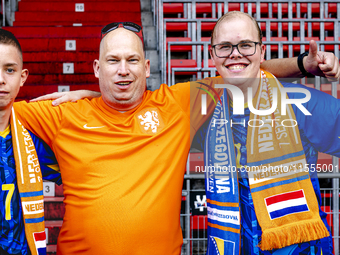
column 325, row 159
column 329, row 47
column 203, row 8
column 199, row 222
column 210, row 63
column 176, row 26
column 179, row 48
column 196, row 160
column 172, row 8
column 275, row 47
column 183, row 48
column 208, row 26
column 295, row 26
column 327, row 88
column 307, row 39
column 183, row 26
column 183, row 63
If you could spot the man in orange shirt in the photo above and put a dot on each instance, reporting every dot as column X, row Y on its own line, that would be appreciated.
column 122, row 156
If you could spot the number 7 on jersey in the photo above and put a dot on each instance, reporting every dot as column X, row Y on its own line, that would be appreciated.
column 10, row 188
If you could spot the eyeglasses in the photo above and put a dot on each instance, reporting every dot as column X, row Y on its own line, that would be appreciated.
column 127, row 25
column 224, row 50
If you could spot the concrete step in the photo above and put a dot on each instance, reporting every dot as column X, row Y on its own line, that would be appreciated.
column 149, row 35
column 154, row 81
column 154, row 61
column 147, row 19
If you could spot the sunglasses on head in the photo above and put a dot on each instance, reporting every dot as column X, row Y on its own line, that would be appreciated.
column 127, row 25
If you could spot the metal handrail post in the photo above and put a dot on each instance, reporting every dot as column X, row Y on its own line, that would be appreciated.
column 187, row 208
column 161, row 30
column 3, row 13
column 199, row 49
column 335, row 160
column 335, row 197
column 268, row 49
column 169, row 81
column 290, row 29
column 164, row 52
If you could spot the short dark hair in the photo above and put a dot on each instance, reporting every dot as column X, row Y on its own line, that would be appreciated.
column 8, row 38
column 231, row 15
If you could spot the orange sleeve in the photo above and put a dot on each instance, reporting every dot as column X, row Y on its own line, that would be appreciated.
column 181, row 93
column 41, row 118
column 199, row 88
column 189, row 97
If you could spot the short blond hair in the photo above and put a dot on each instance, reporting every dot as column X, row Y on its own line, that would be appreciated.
column 231, row 15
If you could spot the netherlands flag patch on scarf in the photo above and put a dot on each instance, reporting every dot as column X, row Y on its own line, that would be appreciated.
column 286, row 203
column 40, row 242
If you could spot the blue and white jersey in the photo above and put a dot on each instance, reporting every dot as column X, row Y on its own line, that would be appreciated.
column 12, row 232
column 318, row 132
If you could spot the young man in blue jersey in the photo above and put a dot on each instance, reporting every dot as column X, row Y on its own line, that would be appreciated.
column 262, row 188
column 21, row 195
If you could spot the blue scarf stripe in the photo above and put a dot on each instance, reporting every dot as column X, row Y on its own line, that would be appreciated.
column 35, row 220
column 270, row 185
column 32, row 194
column 276, row 159
column 228, row 208
column 289, row 210
column 223, row 224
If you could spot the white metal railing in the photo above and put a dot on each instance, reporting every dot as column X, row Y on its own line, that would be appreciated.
column 200, row 53
column 3, row 12
column 196, row 40
column 9, row 8
column 194, row 30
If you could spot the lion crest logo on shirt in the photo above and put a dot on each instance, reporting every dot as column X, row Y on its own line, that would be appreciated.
column 150, row 121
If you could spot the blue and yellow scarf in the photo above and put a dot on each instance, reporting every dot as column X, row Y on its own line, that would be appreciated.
column 284, row 199
column 30, row 185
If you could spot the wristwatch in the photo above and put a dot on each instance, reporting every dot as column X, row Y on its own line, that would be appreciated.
column 300, row 63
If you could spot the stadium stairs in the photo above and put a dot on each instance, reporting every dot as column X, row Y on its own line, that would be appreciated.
column 60, row 40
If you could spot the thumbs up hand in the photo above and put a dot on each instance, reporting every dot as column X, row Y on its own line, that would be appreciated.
column 321, row 63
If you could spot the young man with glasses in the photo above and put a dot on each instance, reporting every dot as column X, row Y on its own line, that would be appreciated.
column 271, row 188
column 122, row 155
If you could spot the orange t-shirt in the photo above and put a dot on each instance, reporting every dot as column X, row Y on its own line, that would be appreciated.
column 122, row 172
